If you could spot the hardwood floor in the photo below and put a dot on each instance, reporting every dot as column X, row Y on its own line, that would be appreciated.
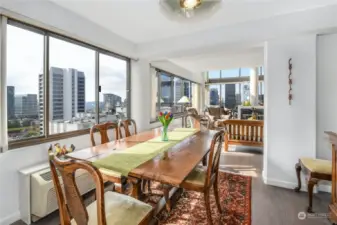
column 270, row 205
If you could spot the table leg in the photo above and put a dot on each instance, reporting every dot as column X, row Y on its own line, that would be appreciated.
column 167, row 198
column 136, row 188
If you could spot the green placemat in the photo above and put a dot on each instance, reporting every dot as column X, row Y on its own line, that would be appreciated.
column 125, row 161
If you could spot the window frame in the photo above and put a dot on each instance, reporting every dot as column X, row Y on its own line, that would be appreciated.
column 172, row 76
column 230, row 80
column 47, row 34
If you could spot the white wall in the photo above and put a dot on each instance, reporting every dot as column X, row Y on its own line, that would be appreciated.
column 229, row 59
column 326, row 92
column 290, row 131
column 141, row 93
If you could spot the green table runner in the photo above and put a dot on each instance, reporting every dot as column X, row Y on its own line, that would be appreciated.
column 173, row 136
column 125, row 161
column 180, row 129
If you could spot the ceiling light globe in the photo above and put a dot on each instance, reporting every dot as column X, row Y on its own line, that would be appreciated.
column 190, row 4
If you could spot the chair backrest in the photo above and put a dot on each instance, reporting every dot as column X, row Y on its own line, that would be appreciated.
column 125, row 125
column 70, row 202
column 245, row 130
column 103, row 130
column 214, row 157
column 192, row 111
column 191, row 121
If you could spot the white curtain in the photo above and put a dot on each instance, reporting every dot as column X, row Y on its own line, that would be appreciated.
column 154, row 93
column 3, row 86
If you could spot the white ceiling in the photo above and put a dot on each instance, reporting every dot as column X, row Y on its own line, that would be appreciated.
column 218, row 60
column 141, row 21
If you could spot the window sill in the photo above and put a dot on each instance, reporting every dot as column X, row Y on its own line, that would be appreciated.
column 40, row 140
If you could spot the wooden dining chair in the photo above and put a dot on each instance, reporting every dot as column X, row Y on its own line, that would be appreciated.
column 110, row 208
column 120, row 182
column 124, row 125
column 202, row 180
column 103, row 131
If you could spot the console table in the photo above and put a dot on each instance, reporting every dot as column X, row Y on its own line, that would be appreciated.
column 241, row 107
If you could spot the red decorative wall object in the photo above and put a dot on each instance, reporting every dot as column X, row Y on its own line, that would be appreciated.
column 290, row 78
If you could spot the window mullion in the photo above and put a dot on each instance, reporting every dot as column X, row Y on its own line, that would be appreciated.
column 128, row 87
column 159, row 91
column 46, row 85
column 97, row 89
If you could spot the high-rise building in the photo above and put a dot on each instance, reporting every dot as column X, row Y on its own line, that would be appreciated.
column 187, row 89
column 178, row 92
column 214, row 96
column 230, row 97
column 111, row 101
column 26, row 106
column 10, row 102
column 66, row 94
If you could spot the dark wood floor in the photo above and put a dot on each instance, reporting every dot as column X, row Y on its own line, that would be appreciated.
column 270, row 205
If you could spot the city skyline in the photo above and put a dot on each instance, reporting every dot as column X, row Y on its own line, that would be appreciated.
column 63, row 55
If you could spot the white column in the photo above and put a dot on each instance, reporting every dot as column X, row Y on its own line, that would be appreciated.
column 253, row 87
column 141, row 93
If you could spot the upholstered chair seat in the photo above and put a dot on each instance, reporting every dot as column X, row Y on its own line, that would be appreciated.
column 316, row 169
column 197, row 177
column 119, row 209
column 317, row 165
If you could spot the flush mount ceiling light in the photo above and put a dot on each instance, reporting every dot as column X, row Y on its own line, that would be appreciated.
column 189, row 10
column 189, row 4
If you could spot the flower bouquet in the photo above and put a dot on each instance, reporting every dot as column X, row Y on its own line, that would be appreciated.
column 59, row 151
column 165, row 118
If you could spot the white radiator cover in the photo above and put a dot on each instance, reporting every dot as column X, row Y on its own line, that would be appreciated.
column 37, row 192
column 43, row 196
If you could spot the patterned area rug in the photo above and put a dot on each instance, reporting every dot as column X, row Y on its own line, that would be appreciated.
column 235, row 194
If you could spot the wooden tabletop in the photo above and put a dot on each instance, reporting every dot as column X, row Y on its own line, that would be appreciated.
column 183, row 157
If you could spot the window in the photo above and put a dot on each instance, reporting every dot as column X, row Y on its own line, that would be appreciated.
column 261, row 92
column 86, row 85
column 168, row 90
column 113, row 94
column 230, row 73
column 214, row 74
column 232, row 92
column 214, row 95
column 24, row 87
column 166, row 93
column 71, row 87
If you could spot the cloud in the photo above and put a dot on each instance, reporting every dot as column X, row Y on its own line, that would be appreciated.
column 25, row 63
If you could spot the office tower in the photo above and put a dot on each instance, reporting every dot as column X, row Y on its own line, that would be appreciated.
column 110, row 102
column 77, row 92
column 66, row 93
column 41, row 108
column 214, row 96
column 10, row 102
column 246, row 92
column 238, row 94
column 187, row 88
column 178, row 92
column 230, row 97
column 26, row 106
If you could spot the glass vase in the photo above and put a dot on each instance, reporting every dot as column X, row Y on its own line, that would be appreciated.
column 164, row 136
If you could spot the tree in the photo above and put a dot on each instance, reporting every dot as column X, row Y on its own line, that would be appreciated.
column 13, row 124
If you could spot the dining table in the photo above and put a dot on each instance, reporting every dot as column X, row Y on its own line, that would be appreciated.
column 185, row 150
